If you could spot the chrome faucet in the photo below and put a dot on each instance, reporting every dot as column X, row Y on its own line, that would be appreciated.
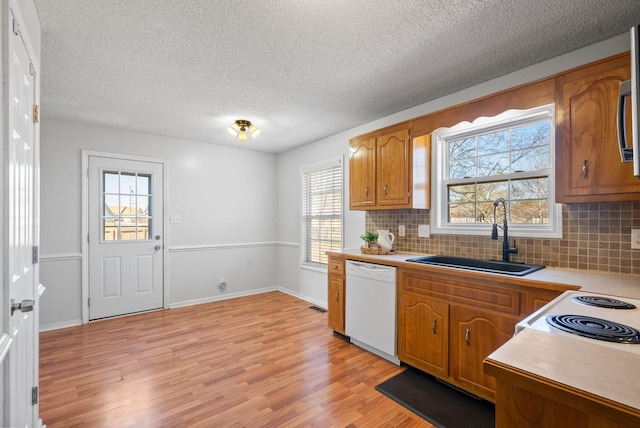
column 506, row 249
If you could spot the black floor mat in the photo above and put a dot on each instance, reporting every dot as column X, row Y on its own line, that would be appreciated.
column 437, row 403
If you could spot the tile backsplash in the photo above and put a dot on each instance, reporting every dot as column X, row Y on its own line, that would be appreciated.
column 596, row 236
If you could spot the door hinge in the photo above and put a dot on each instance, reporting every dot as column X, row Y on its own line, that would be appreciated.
column 32, row 69
column 35, row 255
column 34, row 395
column 87, row 238
column 88, row 302
column 36, row 113
column 16, row 27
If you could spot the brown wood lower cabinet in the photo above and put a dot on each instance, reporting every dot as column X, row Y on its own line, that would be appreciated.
column 449, row 322
column 336, row 294
column 423, row 333
column 474, row 335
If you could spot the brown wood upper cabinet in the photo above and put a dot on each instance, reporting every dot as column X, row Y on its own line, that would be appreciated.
column 588, row 165
column 389, row 170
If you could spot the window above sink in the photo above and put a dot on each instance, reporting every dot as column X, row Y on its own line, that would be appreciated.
column 508, row 156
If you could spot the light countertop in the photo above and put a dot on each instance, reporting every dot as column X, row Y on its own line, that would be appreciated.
column 615, row 284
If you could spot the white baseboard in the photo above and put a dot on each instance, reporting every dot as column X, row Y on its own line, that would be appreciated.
column 302, row 297
column 73, row 323
column 220, row 297
column 58, row 326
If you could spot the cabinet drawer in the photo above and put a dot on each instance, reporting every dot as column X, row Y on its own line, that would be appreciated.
column 455, row 288
column 336, row 267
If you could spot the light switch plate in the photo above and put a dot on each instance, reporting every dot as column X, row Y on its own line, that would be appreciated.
column 423, row 231
column 175, row 219
column 635, row 239
column 401, row 230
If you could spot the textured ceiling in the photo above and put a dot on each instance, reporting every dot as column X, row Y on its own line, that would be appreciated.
column 299, row 69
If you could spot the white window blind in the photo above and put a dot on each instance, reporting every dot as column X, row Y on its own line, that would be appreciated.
column 321, row 211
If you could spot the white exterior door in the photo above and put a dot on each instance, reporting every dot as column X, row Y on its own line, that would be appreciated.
column 125, row 236
column 21, row 274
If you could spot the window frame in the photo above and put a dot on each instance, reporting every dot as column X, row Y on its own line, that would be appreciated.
column 305, row 238
column 441, row 164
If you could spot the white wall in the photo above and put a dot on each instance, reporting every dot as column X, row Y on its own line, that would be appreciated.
column 313, row 285
column 225, row 197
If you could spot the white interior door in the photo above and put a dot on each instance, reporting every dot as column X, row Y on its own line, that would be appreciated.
column 125, row 236
column 21, row 274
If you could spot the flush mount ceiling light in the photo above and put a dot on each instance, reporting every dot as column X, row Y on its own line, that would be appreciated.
column 243, row 129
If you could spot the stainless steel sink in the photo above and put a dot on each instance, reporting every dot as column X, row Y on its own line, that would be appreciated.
column 493, row 266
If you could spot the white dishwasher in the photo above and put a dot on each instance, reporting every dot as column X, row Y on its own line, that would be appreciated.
column 370, row 319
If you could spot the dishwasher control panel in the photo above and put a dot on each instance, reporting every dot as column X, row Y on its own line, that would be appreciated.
column 372, row 271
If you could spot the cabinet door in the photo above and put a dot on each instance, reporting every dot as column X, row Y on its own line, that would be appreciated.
column 393, row 164
column 476, row 334
column 336, row 303
column 588, row 167
column 423, row 334
column 362, row 173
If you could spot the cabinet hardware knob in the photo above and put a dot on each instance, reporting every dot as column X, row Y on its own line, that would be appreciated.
column 337, row 295
column 366, row 191
column 466, row 337
column 386, row 189
column 434, row 326
column 585, row 170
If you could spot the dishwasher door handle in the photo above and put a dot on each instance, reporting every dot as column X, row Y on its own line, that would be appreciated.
column 370, row 267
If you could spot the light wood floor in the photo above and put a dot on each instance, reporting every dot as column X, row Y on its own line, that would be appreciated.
column 258, row 361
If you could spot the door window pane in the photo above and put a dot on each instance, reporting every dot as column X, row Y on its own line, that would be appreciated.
column 126, row 200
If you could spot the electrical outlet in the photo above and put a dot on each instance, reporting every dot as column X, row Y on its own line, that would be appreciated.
column 635, row 239
column 175, row 219
column 423, row 231
column 401, row 231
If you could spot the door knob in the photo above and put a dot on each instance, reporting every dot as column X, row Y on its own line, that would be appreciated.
column 158, row 247
column 25, row 306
